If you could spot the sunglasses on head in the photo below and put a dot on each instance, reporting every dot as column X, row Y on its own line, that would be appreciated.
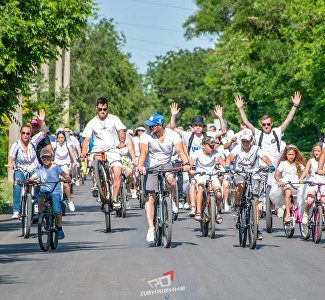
column 102, row 109
column 25, row 133
column 266, row 124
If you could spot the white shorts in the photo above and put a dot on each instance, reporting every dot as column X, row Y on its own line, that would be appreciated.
column 114, row 158
column 202, row 179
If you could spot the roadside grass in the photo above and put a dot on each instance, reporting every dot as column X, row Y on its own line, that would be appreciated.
column 5, row 195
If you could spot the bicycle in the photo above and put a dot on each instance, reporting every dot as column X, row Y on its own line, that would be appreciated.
column 209, row 204
column 47, row 223
column 27, row 205
column 141, row 191
column 247, row 218
column 316, row 221
column 163, row 214
column 123, row 197
column 295, row 215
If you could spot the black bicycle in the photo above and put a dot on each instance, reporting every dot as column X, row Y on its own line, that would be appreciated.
column 123, row 197
column 47, row 223
column 141, row 191
column 247, row 219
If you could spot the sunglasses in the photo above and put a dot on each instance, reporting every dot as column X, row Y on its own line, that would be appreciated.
column 266, row 124
column 102, row 109
column 46, row 158
column 153, row 126
column 25, row 133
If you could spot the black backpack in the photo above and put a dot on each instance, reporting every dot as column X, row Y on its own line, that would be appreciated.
column 276, row 139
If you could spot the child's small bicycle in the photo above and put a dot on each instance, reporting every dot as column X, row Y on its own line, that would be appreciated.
column 316, row 221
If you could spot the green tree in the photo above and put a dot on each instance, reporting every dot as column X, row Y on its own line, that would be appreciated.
column 100, row 69
column 30, row 31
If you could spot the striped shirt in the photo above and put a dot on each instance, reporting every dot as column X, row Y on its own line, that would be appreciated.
column 26, row 161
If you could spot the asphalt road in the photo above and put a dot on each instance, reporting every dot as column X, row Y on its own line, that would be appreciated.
column 92, row 264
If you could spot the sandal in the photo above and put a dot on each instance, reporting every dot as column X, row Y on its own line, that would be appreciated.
column 197, row 216
column 219, row 219
column 287, row 219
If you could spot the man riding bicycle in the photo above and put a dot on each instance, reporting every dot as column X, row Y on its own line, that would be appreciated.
column 156, row 149
column 109, row 133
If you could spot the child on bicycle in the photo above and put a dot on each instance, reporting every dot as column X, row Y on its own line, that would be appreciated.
column 311, row 168
column 205, row 160
column 290, row 167
column 48, row 174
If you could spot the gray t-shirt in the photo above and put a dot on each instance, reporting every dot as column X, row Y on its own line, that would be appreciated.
column 160, row 152
column 49, row 176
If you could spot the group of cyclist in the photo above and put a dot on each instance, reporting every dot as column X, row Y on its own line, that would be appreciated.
column 164, row 146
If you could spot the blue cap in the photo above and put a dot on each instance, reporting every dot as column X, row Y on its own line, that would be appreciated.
column 155, row 119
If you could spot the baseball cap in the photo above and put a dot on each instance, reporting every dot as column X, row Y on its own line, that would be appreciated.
column 34, row 122
column 46, row 152
column 246, row 134
column 208, row 140
column 155, row 119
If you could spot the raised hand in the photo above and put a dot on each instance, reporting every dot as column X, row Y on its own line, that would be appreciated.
column 218, row 111
column 296, row 98
column 239, row 102
column 41, row 115
column 174, row 109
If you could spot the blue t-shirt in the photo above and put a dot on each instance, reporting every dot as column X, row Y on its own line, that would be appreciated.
column 51, row 175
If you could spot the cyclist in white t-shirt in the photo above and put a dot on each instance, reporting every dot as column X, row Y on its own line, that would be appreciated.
column 193, row 140
column 156, row 149
column 109, row 133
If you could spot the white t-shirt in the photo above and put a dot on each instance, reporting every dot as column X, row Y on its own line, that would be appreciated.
column 313, row 169
column 104, row 132
column 61, row 153
column 247, row 160
column 269, row 144
column 203, row 162
column 197, row 141
column 49, row 175
column 160, row 152
column 136, row 141
column 288, row 171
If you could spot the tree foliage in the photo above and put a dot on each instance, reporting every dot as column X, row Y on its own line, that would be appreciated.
column 266, row 50
column 100, row 69
column 30, row 31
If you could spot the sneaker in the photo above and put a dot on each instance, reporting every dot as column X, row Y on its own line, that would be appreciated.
column 175, row 208
column 304, row 220
column 150, row 235
column 94, row 191
column 15, row 215
column 180, row 205
column 77, row 183
column 71, row 206
column 116, row 204
column 259, row 235
column 60, row 234
column 186, row 206
column 280, row 212
column 192, row 212
column 227, row 206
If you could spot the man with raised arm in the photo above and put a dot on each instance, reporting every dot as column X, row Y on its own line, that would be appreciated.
column 156, row 149
column 109, row 133
column 193, row 141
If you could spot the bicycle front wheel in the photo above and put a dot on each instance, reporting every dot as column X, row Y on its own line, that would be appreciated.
column 44, row 232
column 318, row 224
column 242, row 227
column 268, row 217
column 53, row 233
column 28, row 212
column 213, row 216
column 141, row 190
column 123, row 195
column 289, row 228
column 107, row 214
column 167, row 222
column 102, row 176
column 252, row 224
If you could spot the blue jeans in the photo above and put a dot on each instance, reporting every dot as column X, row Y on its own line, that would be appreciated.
column 56, row 202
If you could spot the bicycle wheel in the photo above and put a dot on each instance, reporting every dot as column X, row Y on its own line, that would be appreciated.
column 101, row 175
column 242, row 227
column 289, row 228
column 123, row 195
column 23, row 214
column 53, row 233
column 268, row 217
column 318, row 224
column 252, row 224
column 141, row 190
column 175, row 215
column 204, row 217
column 64, row 204
column 107, row 214
column 44, row 232
column 212, row 205
column 305, row 231
column 28, row 214
column 167, row 222
column 158, row 225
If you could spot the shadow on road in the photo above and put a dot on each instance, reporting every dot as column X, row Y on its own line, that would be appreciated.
column 178, row 244
column 9, row 279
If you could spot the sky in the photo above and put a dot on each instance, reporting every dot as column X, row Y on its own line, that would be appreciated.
column 151, row 27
